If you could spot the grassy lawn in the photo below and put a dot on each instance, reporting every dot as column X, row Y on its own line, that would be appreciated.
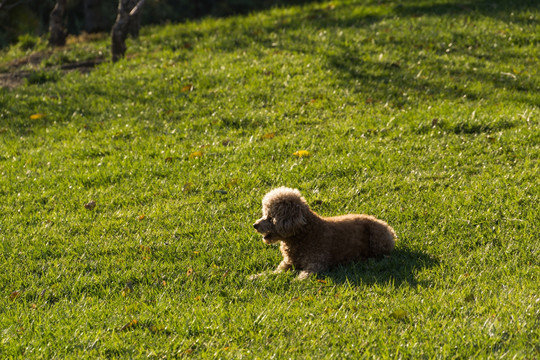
column 425, row 114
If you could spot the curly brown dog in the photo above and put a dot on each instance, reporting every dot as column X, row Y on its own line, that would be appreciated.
column 311, row 243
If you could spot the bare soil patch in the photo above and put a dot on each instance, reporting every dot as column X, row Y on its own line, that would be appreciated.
column 15, row 75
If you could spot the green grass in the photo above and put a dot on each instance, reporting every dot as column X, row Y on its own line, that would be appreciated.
column 422, row 113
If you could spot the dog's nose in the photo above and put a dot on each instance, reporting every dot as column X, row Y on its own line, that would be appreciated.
column 256, row 225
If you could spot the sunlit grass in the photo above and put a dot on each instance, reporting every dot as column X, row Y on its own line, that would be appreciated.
column 129, row 192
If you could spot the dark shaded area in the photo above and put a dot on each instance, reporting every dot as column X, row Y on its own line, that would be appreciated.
column 495, row 8
column 18, row 17
column 399, row 268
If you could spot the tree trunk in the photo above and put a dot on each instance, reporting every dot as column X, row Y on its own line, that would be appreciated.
column 120, row 28
column 57, row 26
column 134, row 21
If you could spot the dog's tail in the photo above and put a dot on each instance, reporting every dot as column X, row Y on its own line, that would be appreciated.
column 382, row 238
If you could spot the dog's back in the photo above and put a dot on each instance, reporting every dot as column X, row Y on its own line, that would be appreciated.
column 354, row 237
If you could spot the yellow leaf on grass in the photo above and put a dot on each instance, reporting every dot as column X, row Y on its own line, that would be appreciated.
column 141, row 217
column 195, row 155
column 268, row 135
column 399, row 314
column 37, row 116
column 188, row 87
column 232, row 182
column 189, row 272
column 302, row 153
column 133, row 323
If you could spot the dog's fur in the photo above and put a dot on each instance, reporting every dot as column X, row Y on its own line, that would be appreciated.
column 311, row 243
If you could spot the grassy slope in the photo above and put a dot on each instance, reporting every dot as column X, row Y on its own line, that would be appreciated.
column 424, row 114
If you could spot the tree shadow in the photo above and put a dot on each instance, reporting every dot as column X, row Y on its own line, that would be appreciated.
column 399, row 268
column 492, row 8
column 452, row 60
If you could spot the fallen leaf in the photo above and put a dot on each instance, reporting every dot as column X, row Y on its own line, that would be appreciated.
column 156, row 328
column 141, row 217
column 37, row 116
column 189, row 272
column 15, row 295
column 399, row 314
column 268, row 136
column 232, row 182
column 90, row 205
column 133, row 323
column 188, row 87
column 195, row 155
column 302, row 153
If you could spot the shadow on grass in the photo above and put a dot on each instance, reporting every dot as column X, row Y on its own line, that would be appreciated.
column 456, row 63
column 400, row 268
column 493, row 8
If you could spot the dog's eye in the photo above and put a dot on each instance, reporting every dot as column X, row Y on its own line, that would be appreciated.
column 269, row 218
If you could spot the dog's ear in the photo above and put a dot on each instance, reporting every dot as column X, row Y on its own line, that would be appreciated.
column 291, row 219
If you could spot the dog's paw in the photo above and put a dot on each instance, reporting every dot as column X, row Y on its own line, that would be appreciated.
column 303, row 275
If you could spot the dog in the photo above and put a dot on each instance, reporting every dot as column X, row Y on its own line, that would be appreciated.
column 311, row 243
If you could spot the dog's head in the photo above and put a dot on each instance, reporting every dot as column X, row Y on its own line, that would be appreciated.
column 284, row 215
